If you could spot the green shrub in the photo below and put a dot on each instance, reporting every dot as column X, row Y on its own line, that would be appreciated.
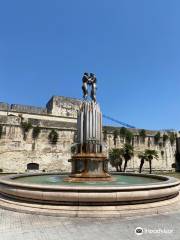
column 26, row 126
column 173, row 165
column 129, row 136
column 126, row 134
column 36, row 131
column 157, row 137
column 105, row 135
column 142, row 134
column 115, row 134
column 162, row 153
column 165, row 137
column 73, row 149
column 1, row 131
column 53, row 137
column 115, row 158
column 122, row 132
column 172, row 137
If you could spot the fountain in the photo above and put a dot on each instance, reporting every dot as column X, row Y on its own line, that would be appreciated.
column 90, row 162
column 89, row 190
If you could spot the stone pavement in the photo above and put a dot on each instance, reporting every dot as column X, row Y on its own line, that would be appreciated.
column 20, row 226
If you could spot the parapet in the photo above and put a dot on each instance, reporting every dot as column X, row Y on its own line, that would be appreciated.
column 63, row 106
column 57, row 106
column 28, row 109
column 4, row 106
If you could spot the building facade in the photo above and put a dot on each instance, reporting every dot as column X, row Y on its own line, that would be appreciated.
column 20, row 152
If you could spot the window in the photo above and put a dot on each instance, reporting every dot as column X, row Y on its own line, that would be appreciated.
column 32, row 166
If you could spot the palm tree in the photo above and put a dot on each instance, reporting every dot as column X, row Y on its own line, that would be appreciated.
column 143, row 157
column 127, row 153
column 150, row 155
column 115, row 157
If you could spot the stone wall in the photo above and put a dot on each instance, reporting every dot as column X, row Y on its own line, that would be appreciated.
column 63, row 106
column 16, row 153
column 166, row 152
column 61, row 115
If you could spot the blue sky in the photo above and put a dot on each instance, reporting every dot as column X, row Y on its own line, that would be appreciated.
column 133, row 46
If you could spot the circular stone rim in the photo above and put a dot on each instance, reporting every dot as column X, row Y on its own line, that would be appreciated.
column 132, row 211
column 89, row 195
column 167, row 181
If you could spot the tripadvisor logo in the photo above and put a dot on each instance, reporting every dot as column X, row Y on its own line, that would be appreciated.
column 139, row 231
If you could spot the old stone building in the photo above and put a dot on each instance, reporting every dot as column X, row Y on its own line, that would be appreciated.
column 19, row 151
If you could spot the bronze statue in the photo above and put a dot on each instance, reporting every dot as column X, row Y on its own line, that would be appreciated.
column 89, row 80
column 85, row 80
column 93, row 84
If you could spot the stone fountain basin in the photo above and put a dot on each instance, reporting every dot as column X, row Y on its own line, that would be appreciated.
column 93, row 195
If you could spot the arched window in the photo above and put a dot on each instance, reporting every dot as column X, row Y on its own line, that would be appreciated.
column 32, row 166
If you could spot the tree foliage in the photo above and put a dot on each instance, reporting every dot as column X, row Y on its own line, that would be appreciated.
column 126, row 134
column 165, row 138
column 172, row 137
column 53, row 137
column 142, row 134
column 26, row 126
column 115, row 134
column 157, row 137
column 105, row 135
column 123, row 132
column 127, row 153
column 151, row 153
column 73, row 148
column 148, row 155
column 36, row 131
column 142, row 156
column 1, row 131
column 115, row 158
column 129, row 136
column 162, row 153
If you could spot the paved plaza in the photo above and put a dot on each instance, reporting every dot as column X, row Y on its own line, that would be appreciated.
column 21, row 226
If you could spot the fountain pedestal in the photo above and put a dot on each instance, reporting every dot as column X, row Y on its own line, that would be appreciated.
column 89, row 162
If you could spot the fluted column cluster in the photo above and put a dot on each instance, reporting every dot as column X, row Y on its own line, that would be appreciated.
column 90, row 123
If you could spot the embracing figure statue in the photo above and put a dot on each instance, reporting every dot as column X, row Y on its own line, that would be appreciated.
column 89, row 80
